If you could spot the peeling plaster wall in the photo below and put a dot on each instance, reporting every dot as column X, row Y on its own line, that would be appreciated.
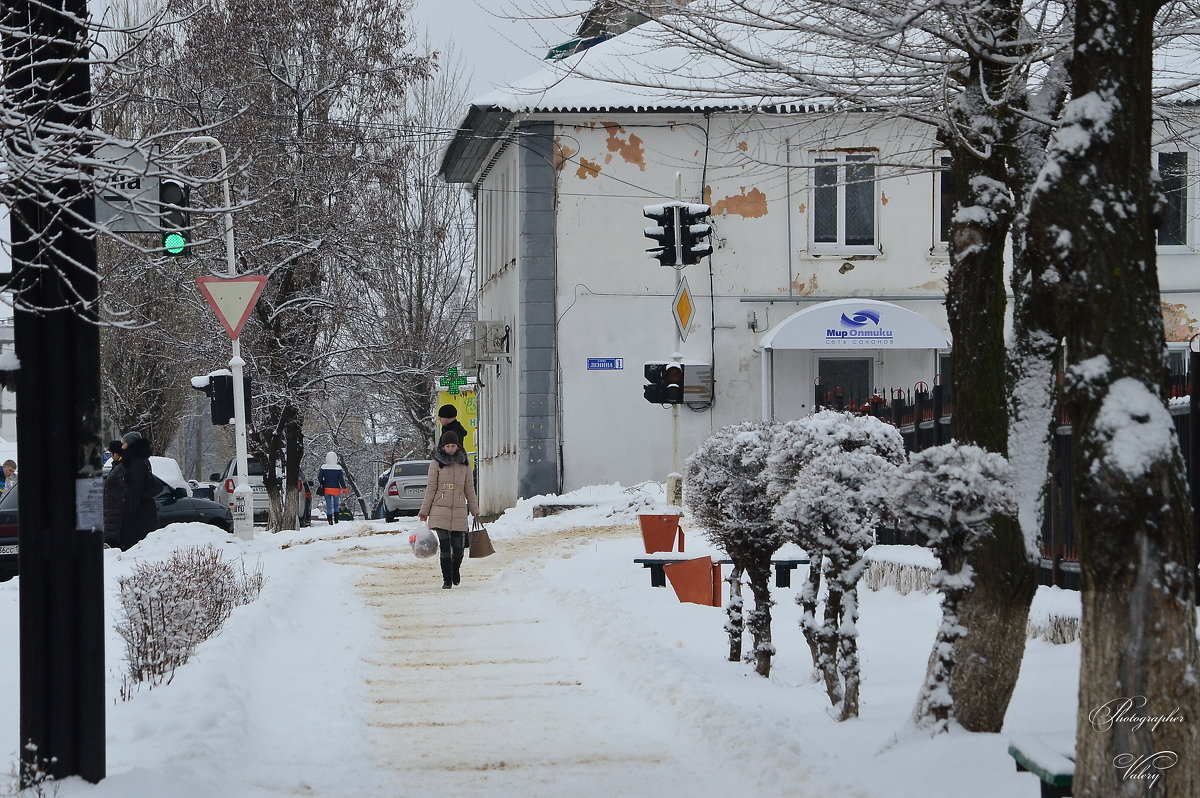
column 612, row 301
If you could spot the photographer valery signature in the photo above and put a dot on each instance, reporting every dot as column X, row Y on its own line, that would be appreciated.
column 1140, row 767
column 1145, row 768
column 1125, row 710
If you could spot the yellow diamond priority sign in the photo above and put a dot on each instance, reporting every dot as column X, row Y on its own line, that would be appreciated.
column 683, row 309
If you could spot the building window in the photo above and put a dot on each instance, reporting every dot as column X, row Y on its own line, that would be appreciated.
column 945, row 195
column 1173, row 168
column 843, row 203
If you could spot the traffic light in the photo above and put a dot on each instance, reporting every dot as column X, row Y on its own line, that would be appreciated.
column 665, row 232
column 692, row 228
column 665, row 383
column 219, row 391
column 175, row 220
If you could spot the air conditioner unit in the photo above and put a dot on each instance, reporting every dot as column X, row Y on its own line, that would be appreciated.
column 492, row 340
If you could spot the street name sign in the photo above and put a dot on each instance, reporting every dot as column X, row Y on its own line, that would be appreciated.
column 126, row 191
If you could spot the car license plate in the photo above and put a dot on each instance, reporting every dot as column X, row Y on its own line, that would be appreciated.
column 260, row 488
column 413, row 491
column 9, row 549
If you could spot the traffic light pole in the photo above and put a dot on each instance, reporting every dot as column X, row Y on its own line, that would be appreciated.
column 675, row 479
column 243, row 495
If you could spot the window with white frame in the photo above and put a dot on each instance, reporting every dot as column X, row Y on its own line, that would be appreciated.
column 1173, row 169
column 843, row 203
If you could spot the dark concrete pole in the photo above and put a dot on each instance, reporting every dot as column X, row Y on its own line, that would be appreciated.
column 58, row 397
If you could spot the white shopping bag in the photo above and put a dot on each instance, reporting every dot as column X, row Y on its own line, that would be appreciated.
column 424, row 542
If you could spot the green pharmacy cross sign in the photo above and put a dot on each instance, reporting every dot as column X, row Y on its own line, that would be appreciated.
column 452, row 381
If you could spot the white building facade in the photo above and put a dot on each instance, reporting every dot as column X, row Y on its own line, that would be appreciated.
column 829, row 265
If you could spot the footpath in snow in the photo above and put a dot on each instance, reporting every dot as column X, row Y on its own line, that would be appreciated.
column 553, row 669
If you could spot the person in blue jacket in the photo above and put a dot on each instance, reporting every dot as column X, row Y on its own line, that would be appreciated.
column 333, row 485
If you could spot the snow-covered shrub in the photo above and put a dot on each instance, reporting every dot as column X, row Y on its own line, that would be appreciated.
column 727, row 495
column 949, row 494
column 170, row 607
column 831, row 473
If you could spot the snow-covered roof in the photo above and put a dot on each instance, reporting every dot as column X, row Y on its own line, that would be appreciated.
column 654, row 68
column 644, row 70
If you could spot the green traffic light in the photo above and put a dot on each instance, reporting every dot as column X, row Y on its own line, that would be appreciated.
column 174, row 243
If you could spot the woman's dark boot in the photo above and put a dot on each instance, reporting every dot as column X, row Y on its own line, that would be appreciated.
column 447, row 573
column 455, row 576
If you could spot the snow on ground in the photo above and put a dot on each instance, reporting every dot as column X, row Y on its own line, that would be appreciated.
column 553, row 669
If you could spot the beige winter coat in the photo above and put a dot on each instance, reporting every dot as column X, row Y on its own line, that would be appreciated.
column 449, row 493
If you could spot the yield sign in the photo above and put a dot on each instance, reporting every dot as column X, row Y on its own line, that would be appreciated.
column 232, row 298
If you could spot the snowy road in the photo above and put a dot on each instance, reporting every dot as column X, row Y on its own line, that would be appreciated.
column 479, row 691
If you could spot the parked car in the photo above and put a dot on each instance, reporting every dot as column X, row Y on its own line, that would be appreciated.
column 227, row 482
column 203, row 490
column 405, row 488
column 174, row 507
column 8, row 535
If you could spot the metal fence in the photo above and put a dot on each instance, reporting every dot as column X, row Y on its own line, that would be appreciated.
column 922, row 416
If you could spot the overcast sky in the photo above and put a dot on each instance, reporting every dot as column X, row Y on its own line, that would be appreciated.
column 498, row 50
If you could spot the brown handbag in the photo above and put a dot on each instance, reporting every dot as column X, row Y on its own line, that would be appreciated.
column 481, row 542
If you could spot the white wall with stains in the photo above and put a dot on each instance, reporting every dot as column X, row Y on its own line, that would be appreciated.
column 613, row 301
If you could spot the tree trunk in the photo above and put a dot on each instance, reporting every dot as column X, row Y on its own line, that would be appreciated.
column 996, row 609
column 827, row 643
column 1093, row 214
column 848, row 665
column 736, row 622
column 758, row 620
column 807, row 599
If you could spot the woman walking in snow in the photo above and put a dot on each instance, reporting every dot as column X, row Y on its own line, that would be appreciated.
column 449, row 495
column 333, row 485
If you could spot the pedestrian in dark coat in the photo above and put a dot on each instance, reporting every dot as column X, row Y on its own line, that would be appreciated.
column 114, row 494
column 139, row 513
column 448, row 422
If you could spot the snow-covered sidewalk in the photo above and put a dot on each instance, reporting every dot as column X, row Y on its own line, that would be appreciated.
column 485, row 690
column 553, row 669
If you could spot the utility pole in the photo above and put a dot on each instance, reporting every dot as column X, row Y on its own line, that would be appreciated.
column 62, row 714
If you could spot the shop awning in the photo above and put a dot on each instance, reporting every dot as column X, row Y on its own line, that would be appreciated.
column 854, row 324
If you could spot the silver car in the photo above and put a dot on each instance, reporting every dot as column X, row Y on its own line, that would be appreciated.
column 405, row 488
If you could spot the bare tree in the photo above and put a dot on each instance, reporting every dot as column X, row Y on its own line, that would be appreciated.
column 295, row 93
column 418, row 307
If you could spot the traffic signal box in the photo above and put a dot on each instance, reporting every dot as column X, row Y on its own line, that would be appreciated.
column 663, row 233
column 175, row 222
column 678, row 230
column 220, row 397
column 677, row 382
column 692, row 229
